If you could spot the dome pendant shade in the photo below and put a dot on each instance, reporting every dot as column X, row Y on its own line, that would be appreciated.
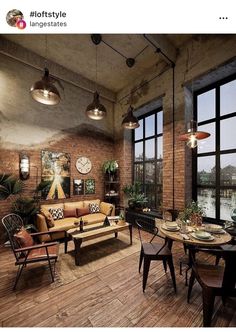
column 130, row 121
column 95, row 110
column 193, row 135
column 44, row 91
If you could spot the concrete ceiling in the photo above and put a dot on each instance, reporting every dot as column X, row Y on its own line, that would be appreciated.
column 77, row 53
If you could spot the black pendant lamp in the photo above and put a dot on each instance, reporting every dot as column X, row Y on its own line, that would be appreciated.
column 96, row 110
column 130, row 121
column 44, row 91
column 193, row 135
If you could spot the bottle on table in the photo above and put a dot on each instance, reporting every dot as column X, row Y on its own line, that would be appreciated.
column 81, row 225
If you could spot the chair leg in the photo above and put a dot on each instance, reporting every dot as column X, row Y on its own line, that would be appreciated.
column 186, row 275
column 180, row 268
column 20, row 268
column 218, row 257
column 191, row 282
column 208, row 298
column 185, row 248
column 140, row 260
column 165, row 265
column 145, row 271
column 172, row 272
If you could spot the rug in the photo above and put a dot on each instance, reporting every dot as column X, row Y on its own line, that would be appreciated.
column 94, row 255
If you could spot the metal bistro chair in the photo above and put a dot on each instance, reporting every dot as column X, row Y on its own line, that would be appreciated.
column 214, row 280
column 26, row 254
column 154, row 251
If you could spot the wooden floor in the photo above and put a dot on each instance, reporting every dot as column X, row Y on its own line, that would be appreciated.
column 110, row 296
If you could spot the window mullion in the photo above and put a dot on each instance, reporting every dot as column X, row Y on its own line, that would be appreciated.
column 217, row 199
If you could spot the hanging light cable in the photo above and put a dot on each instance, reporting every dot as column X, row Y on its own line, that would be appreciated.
column 44, row 91
column 95, row 110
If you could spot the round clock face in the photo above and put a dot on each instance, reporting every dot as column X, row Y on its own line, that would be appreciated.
column 83, row 165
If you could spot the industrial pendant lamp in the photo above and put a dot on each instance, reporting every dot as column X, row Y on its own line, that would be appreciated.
column 193, row 135
column 44, row 91
column 130, row 121
column 95, row 110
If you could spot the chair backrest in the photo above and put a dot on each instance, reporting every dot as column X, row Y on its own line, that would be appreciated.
column 12, row 223
column 229, row 278
column 144, row 226
column 228, row 253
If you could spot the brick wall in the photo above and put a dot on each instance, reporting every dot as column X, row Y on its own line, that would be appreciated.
column 97, row 149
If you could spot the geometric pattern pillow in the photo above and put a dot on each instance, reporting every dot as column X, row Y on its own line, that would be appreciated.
column 94, row 208
column 57, row 213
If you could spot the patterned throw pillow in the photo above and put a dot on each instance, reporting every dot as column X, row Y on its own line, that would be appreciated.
column 57, row 213
column 94, row 208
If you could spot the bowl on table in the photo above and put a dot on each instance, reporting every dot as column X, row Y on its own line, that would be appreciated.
column 202, row 235
column 213, row 228
column 171, row 225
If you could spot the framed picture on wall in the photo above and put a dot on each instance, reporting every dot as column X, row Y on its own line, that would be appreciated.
column 89, row 186
column 56, row 173
column 78, row 187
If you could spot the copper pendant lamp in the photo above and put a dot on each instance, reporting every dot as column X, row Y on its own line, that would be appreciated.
column 130, row 121
column 193, row 135
column 44, row 91
column 95, row 110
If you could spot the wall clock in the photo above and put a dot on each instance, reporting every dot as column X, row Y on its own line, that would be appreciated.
column 83, row 165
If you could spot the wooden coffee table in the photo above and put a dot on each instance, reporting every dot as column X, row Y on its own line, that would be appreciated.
column 93, row 232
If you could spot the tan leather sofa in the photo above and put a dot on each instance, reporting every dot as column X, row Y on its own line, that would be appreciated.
column 106, row 209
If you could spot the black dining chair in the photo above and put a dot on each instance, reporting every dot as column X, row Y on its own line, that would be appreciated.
column 215, row 280
column 151, row 251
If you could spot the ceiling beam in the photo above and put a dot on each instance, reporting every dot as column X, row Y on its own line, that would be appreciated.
column 162, row 42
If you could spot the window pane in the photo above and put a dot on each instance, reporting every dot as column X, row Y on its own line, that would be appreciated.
column 160, row 122
column 206, row 198
column 208, row 144
column 227, row 203
column 150, row 193
column 150, row 126
column 228, row 133
column 159, row 197
column 159, row 172
column 138, row 173
column 228, row 169
column 206, row 106
column 228, row 98
column 206, row 170
column 150, row 149
column 138, row 148
column 149, row 173
column 138, row 132
column 160, row 147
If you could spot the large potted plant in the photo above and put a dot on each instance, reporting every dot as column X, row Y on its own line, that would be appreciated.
column 27, row 209
column 136, row 198
column 110, row 167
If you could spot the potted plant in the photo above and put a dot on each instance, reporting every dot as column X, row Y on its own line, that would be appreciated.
column 121, row 220
column 27, row 209
column 136, row 199
column 110, row 167
column 193, row 213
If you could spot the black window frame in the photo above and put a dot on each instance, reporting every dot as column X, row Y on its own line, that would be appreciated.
column 155, row 160
column 217, row 153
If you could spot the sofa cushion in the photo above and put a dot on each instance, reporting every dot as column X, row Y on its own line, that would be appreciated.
column 94, row 208
column 74, row 205
column 69, row 213
column 48, row 217
column 82, row 212
column 57, row 213
column 96, row 201
column 24, row 238
column 106, row 208
column 94, row 218
column 64, row 224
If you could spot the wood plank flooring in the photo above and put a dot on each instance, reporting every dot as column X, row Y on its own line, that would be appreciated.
column 111, row 296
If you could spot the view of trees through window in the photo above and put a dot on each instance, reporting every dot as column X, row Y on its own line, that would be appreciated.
column 148, row 156
column 215, row 176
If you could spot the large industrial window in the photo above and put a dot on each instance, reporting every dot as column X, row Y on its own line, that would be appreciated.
column 148, row 156
column 215, row 157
